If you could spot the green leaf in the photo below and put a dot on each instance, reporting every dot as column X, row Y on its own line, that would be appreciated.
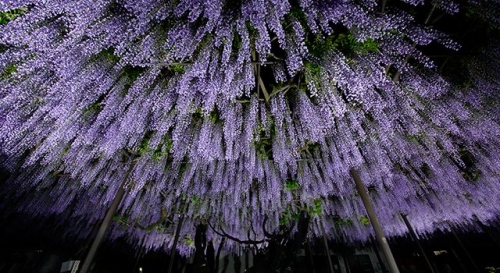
column 8, row 70
column 348, row 44
column 343, row 42
column 264, row 148
column 312, row 68
column 292, row 185
column 299, row 14
column 163, row 149
column 288, row 216
column 189, row 241
column 91, row 110
column 10, row 15
column 143, row 146
column 160, row 228
column 176, row 68
column 123, row 220
column 251, row 30
column 237, row 42
column 419, row 136
column 339, row 221
column 214, row 116
column 320, row 45
column 316, row 208
column 364, row 220
column 195, row 200
column 132, row 73
column 108, row 54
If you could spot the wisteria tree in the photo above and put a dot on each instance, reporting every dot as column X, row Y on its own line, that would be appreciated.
column 236, row 112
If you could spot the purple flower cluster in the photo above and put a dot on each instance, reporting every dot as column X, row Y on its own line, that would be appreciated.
column 183, row 87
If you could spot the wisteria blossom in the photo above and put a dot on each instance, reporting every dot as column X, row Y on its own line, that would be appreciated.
column 232, row 111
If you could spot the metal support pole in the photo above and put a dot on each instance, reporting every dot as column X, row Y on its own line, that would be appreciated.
column 374, row 221
column 415, row 238
column 139, row 256
column 174, row 246
column 377, row 254
column 465, row 250
column 247, row 259
column 105, row 222
column 311, row 259
column 459, row 261
column 325, row 241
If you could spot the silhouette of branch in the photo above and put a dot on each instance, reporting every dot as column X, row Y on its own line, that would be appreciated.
column 224, row 234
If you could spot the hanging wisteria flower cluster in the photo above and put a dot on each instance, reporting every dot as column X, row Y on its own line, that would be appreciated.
column 234, row 111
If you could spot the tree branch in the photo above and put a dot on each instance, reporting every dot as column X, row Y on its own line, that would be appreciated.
column 260, row 82
column 224, row 234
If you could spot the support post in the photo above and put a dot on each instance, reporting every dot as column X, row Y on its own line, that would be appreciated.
column 311, row 259
column 379, row 259
column 464, row 250
column 105, row 222
column 139, row 256
column 176, row 239
column 219, row 249
column 325, row 241
column 459, row 261
column 415, row 238
column 246, row 260
column 379, row 233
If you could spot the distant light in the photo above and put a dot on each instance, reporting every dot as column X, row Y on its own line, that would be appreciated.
column 140, row 269
column 440, row 252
